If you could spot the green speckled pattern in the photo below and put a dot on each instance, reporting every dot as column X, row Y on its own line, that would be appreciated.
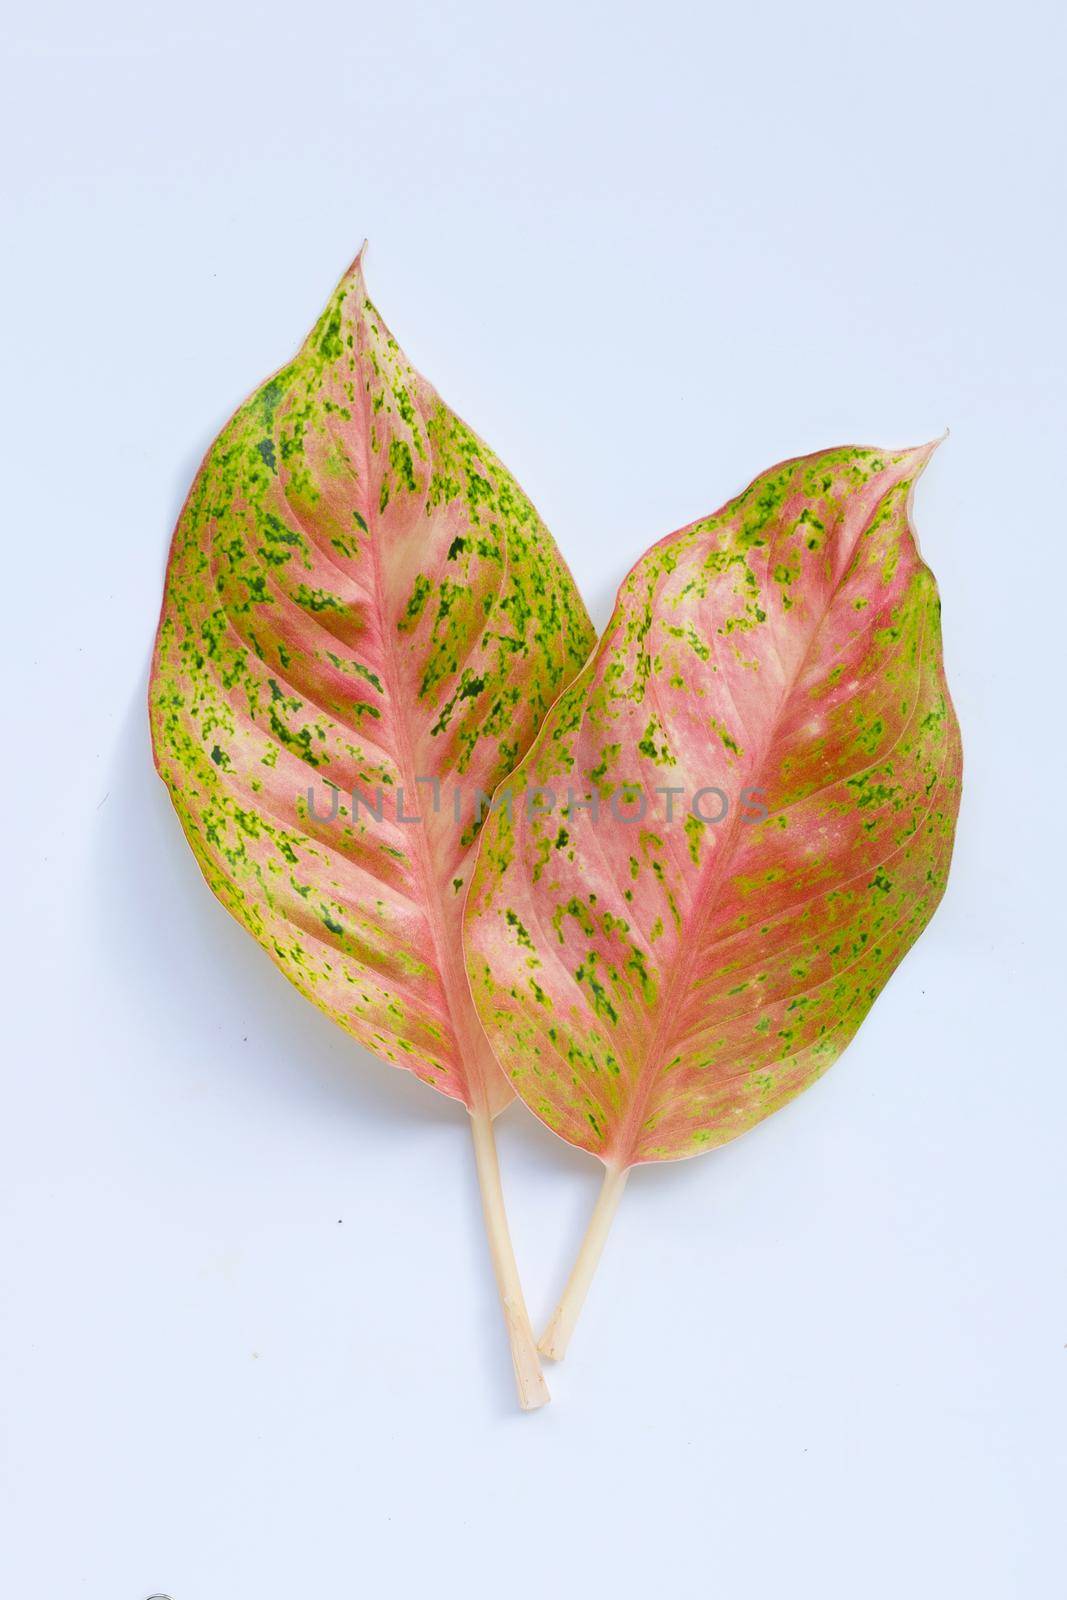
column 655, row 987
column 359, row 595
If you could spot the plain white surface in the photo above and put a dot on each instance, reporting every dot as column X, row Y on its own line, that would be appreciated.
column 250, row 1344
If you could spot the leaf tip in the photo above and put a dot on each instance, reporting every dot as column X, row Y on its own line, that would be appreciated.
column 355, row 269
column 920, row 455
column 918, row 460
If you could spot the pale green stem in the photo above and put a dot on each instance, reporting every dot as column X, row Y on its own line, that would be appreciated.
column 533, row 1390
column 557, row 1336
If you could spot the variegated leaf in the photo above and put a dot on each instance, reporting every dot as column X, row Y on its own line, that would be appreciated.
column 655, row 984
column 363, row 613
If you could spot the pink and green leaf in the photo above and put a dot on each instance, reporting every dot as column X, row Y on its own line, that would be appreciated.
column 654, row 985
column 362, row 611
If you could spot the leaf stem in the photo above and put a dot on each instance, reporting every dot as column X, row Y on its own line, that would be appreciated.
column 557, row 1336
column 533, row 1390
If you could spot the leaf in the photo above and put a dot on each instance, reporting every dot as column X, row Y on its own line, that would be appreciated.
column 363, row 614
column 655, row 987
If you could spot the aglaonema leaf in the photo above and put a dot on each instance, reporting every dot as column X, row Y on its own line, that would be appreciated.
column 364, row 623
column 729, row 830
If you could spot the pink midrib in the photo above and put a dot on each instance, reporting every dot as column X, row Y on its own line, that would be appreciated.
column 467, row 1043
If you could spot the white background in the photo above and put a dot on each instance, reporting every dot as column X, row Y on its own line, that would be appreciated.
column 250, row 1342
